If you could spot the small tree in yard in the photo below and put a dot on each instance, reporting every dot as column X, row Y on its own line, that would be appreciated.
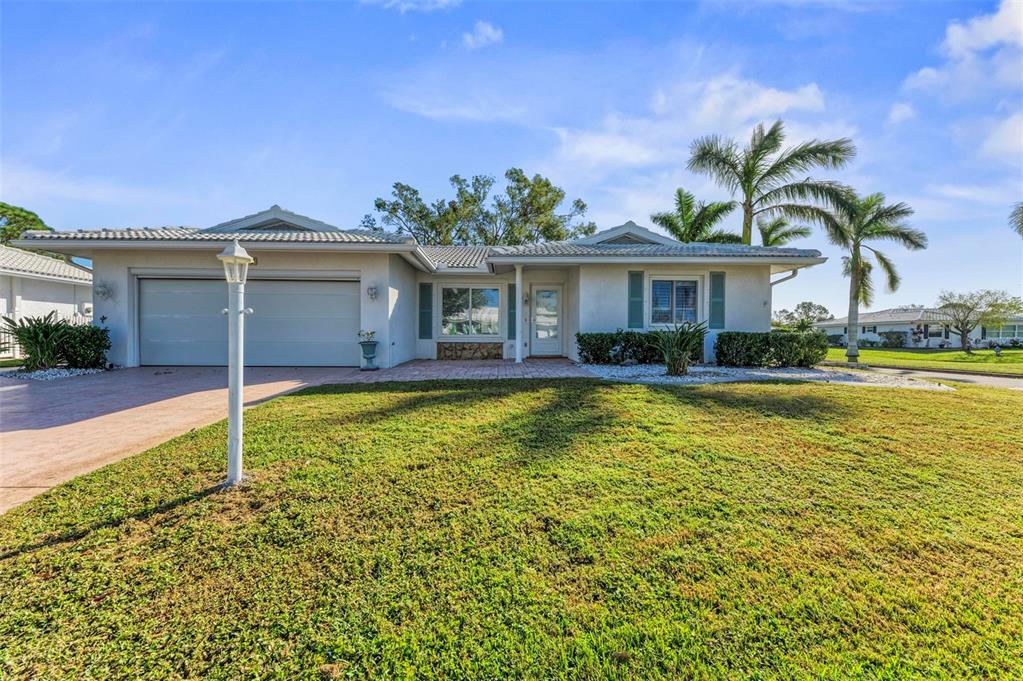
column 14, row 220
column 966, row 311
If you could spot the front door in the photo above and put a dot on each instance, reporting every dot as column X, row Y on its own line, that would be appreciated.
column 546, row 320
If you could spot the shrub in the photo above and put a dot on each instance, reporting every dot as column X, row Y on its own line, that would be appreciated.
column 41, row 340
column 836, row 340
column 85, row 346
column 774, row 349
column 616, row 347
column 893, row 339
column 866, row 343
column 680, row 345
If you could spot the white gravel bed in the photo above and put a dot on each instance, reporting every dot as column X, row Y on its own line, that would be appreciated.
column 698, row 375
column 49, row 374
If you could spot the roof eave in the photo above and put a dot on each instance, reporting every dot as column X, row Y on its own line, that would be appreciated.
column 44, row 277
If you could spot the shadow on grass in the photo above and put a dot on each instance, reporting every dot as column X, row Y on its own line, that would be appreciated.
column 791, row 404
column 144, row 514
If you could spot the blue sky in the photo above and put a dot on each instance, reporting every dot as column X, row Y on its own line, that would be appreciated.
column 156, row 114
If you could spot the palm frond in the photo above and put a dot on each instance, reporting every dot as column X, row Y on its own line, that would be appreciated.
column 803, row 157
column 709, row 214
column 720, row 236
column 833, row 224
column 685, row 205
column 779, row 231
column 904, row 235
column 669, row 222
column 1016, row 218
column 866, row 280
column 718, row 157
column 822, row 191
column 888, row 267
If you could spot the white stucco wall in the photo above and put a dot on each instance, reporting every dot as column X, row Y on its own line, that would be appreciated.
column 27, row 296
column 401, row 292
column 121, row 269
column 604, row 304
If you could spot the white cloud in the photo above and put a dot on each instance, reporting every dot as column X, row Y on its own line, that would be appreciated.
column 725, row 104
column 1004, row 27
column 1005, row 139
column 28, row 185
column 483, row 33
column 414, row 5
column 982, row 53
column 900, row 113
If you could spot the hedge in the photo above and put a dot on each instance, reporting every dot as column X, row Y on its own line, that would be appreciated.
column 85, row 346
column 617, row 347
column 770, row 349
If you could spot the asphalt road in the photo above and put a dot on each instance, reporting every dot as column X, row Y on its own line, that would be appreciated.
column 942, row 376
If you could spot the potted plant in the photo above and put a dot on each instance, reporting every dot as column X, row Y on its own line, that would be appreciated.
column 369, row 349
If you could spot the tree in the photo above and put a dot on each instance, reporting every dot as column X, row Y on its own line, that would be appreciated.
column 767, row 176
column 1016, row 219
column 966, row 311
column 15, row 220
column 694, row 220
column 779, row 231
column 526, row 212
column 854, row 222
column 803, row 317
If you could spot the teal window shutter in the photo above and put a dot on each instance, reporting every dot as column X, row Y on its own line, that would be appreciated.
column 426, row 311
column 717, row 301
column 513, row 306
column 635, row 300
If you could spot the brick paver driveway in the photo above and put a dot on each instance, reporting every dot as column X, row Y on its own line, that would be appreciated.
column 52, row 431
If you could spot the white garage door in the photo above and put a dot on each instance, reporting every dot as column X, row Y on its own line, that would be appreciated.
column 294, row 323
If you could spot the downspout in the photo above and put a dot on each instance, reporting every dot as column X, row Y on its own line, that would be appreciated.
column 792, row 275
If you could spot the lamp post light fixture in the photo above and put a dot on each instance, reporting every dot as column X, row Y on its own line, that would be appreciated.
column 236, row 268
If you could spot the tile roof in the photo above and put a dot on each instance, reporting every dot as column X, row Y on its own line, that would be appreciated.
column 457, row 257
column 895, row 315
column 192, row 234
column 694, row 249
column 15, row 260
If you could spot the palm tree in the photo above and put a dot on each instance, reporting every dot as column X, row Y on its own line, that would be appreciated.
column 767, row 176
column 854, row 222
column 1016, row 219
column 694, row 220
column 779, row 231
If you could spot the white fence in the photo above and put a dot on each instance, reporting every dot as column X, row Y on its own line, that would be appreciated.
column 9, row 348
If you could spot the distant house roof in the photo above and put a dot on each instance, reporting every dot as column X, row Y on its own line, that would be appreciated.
column 895, row 315
column 14, row 261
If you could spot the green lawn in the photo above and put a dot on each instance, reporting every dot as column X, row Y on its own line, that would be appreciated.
column 10, row 362
column 1011, row 361
column 539, row 529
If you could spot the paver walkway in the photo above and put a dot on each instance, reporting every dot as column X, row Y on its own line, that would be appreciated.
column 52, row 431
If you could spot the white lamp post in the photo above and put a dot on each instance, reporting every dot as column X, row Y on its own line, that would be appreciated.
column 236, row 268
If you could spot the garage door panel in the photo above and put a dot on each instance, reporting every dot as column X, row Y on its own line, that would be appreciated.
column 294, row 323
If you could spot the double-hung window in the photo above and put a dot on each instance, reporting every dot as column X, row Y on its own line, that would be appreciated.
column 470, row 311
column 673, row 301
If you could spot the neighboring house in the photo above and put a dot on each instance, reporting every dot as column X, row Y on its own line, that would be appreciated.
column 929, row 323
column 33, row 284
column 314, row 286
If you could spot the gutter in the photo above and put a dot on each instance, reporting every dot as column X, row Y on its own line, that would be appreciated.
column 791, row 275
column 802, row 261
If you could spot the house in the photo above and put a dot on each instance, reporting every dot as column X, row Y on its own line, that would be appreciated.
column 33, row 284
column 929, row 325
column 314, row 286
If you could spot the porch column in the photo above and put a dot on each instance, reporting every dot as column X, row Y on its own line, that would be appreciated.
column 518, row 314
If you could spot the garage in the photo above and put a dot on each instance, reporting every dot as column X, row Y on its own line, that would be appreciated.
column 294, row 322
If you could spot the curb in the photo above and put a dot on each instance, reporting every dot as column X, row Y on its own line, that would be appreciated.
column 961, row 372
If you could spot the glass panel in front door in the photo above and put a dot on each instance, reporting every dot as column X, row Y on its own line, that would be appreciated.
column 546, row 320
